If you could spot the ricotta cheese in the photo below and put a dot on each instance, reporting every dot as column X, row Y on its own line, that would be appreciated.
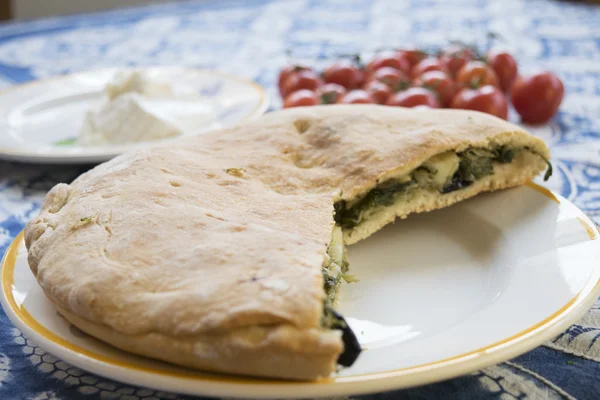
column 131, row 114
column 126, row 119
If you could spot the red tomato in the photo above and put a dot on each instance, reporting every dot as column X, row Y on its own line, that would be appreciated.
column 454, row 57
column 362, row 77
column 287, row 71
column 379, row 91
column 413, row 97
column 388, row 59
column 428, row 64
column 390, row 76
column 505, row 66
column 301, row 80
column 537, row 97
column 440, row 83
column 475, row 74
column 344, row 73
column 357, row 97
column 301, row 98
column 488, row 99
column 412, row 55
column 330, row 93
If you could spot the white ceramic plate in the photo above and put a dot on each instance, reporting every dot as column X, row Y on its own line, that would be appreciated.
column 440, row 294
column 38, row 118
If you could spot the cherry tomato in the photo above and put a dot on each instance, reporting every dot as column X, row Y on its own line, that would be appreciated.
column 301, row 98
column 413, row 97
column 390, row 76
column 428, row 64
column 287, row 71
column 301, row 80
column 475, row 74
column 488, row 99
column 412, row 55
column 344, row 73
column 537, row 97
column 358, row 96
column 388, row 59
column 362, row 76
column 330, row 93
column 378, row 90
column 454, row 57
column 505, row 66
column 440, row 83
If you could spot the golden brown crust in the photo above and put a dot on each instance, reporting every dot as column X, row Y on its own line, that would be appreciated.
column 280, row 351
column 354, row 147
column 226, row 231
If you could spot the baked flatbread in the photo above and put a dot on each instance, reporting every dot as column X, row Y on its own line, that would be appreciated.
column 224, row 252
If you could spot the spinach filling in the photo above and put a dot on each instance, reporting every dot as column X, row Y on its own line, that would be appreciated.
column 332, row 280
column 473, row 164
column 383, row 195
column 334, row 272
column 352, row 347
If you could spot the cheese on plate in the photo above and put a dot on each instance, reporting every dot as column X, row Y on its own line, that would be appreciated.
column 136, row 110
column 126, row 119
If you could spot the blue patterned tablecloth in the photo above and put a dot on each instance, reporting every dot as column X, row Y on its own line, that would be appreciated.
column 250, row 38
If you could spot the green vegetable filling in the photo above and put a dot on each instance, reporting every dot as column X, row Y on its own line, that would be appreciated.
column 450, row 172
column 475, row 164
column 330, row 320
column 335, row 271
column 383, row 195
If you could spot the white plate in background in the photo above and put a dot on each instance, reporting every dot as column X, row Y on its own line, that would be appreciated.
column 38, row 119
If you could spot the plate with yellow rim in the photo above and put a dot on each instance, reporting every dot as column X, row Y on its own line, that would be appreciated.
column 41, row 120
column 440, row 294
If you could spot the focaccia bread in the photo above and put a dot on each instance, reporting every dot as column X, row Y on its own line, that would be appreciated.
column 225, row 252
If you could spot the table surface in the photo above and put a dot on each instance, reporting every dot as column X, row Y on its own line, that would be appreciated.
column 250, row 38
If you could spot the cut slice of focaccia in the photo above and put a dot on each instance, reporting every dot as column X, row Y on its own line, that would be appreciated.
column 225, row 252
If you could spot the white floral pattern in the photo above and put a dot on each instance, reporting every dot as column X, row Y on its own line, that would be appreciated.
column 506, row 383
column 250, row 38
column 47, row 395
column 82, row 381
column 583, row 338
